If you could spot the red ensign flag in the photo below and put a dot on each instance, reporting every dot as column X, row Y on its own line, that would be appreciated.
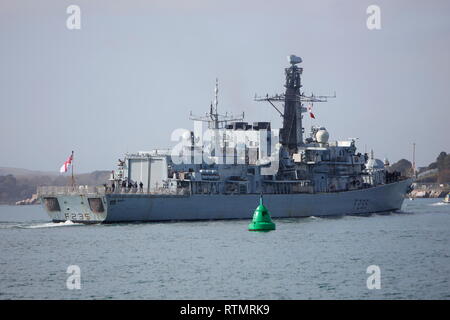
column 66, row 164
column 310, row 112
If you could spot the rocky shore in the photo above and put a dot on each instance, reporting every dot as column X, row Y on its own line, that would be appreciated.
column 18, row 186
column 33, row 200
column 429, row 190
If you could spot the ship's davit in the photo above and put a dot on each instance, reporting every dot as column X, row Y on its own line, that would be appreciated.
column 261, row 219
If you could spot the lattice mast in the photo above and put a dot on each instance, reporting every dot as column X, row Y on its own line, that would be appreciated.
column 291, row 134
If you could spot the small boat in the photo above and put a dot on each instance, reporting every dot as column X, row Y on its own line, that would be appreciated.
column 447, row 198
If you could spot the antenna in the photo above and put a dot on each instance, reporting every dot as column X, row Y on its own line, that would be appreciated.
column 414, row 159
column 291, row 134
column 213, row 118
column 216, row 94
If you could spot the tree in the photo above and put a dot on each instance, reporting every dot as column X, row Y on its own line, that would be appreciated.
column 404, row 166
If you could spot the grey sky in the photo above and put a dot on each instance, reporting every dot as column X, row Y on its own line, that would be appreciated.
column 136, row 69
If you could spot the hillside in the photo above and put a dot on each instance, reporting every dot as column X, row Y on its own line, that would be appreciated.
column 442, row 164
column 4, row 171
column 19, row 186
column 436, row 172
column 404, row 166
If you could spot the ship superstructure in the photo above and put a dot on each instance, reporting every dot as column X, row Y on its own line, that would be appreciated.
column 230, row 164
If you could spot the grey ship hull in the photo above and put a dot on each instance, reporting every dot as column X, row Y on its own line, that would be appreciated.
column 149, row 207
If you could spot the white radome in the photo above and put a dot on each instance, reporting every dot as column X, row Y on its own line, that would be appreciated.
column 374, row 164
column 186, row 135
column 322, row 136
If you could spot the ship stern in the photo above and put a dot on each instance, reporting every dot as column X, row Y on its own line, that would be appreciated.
column 77, row 204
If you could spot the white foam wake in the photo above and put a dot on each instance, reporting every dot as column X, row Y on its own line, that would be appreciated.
column 438, row 204
column 53, row 224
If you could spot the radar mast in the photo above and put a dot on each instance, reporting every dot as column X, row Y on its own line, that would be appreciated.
column 291, row 134
column 213, row 118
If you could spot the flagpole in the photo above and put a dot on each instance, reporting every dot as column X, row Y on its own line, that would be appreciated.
column 73, row 180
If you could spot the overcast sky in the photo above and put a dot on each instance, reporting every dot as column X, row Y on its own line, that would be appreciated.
column 136, row 69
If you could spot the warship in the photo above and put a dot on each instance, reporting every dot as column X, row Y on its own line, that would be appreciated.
column 220, row 173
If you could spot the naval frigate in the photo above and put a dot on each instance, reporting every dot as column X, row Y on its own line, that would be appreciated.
column 220, row 173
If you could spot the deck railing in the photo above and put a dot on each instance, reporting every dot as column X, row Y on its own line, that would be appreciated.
column 62, row 190
column 101, row 190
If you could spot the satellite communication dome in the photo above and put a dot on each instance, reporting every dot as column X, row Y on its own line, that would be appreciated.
column 293, row 59
column 186, row 135
column 322, row 136
column 374, row 164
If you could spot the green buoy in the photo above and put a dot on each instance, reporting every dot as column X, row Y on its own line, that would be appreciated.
column 261, row 219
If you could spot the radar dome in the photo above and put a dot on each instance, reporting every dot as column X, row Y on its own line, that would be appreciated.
column 374, row 164
column 186, row 135
column 322, row 136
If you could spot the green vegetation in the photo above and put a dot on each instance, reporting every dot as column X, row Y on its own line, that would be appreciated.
column 14, row 188
column 403, row 166
column 442, row 164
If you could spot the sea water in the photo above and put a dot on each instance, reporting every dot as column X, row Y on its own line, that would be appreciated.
column 305, row 258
